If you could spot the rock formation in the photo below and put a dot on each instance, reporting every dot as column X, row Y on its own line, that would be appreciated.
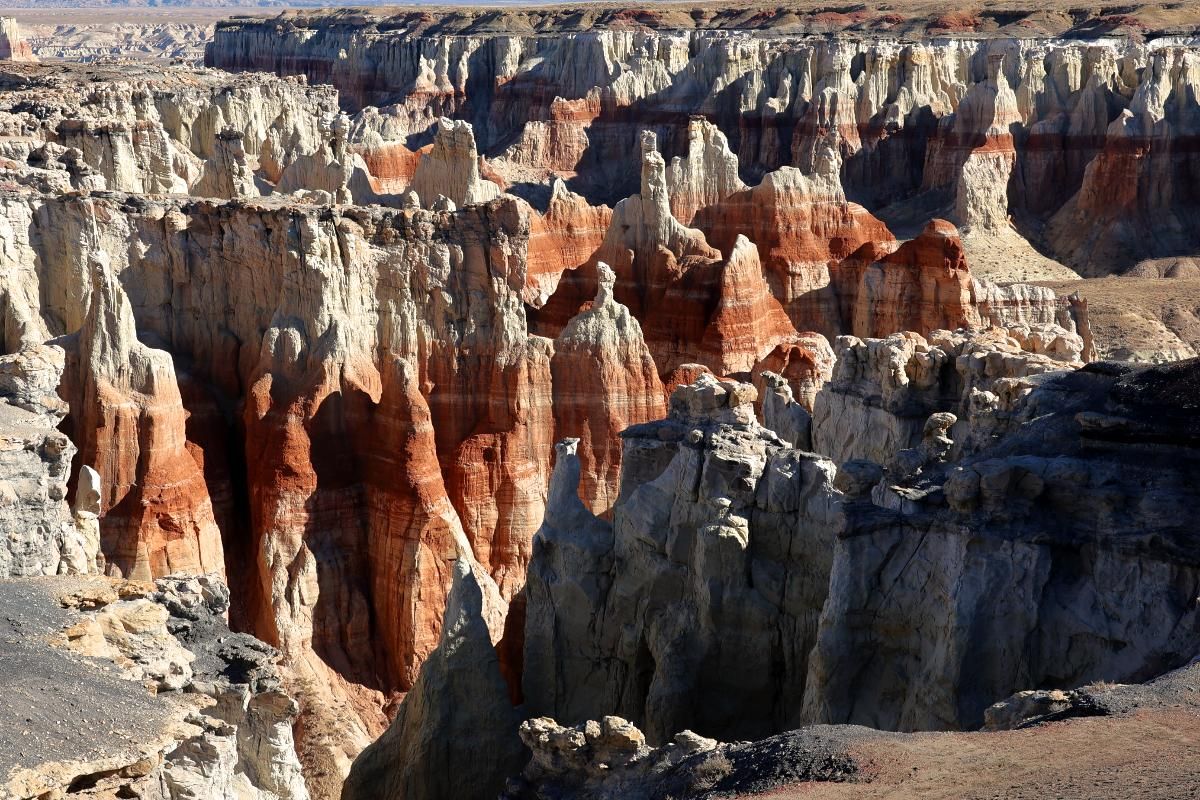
column 129, row 648
column 324, row 341
column 451, row 169
column 455, row 732
column 12, row 46
column 129, row 422
column 1057, row 569
column 889, row 388
column 604, row 381
column 1001, row 124
column 623, row 618
column 38, row 533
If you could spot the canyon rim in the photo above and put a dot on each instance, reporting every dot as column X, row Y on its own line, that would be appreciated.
column 600, row 401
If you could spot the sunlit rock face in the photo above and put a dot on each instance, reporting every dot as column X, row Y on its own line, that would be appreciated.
column 320, row 330
column 1041, row 130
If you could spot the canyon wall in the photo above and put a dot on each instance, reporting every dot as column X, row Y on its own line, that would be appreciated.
column 1047, row 545
column 1079, row 145
column 328, row 348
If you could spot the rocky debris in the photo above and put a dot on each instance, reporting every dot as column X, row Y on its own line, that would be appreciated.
column 455, row 733
column 609, row 759
column 135, row 713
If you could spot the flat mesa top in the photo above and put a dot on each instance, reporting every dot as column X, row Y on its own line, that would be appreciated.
column 909, row 18
column 116, row 16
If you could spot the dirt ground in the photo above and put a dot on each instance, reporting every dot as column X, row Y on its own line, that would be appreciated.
column 1148, row 755
column 1144, row 319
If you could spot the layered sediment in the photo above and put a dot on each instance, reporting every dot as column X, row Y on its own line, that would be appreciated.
column 324, row 338
column 1010, row 130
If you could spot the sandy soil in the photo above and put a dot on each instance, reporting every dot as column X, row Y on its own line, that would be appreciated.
column 1008, row 257
column 1150, row 755
column 1141, row 319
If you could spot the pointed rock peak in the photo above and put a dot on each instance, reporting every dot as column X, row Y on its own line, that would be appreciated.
column 563, row 505
column 654, row 171
column 606, row 322
column 87, row 491
column 109, row 331
column 451, row 168
column 606, row 279
column 464, row 605
column 743, row 249
column 706, row 175
column 559, row 190
column 995, row 69
column 564, row 481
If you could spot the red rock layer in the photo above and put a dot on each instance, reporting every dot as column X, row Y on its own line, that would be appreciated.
column 604, row 381
column 748, row 322
column 128, row 421
column 392, row 166
column 800, row 226
column 553, row 141
column 564, row 238
column 922, row 286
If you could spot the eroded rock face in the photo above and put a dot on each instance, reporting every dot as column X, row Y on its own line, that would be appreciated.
column 129, row 421
column 604, row 381
column 1003, row 522
column 455, row 732
column 1064, row 557
column 884, row 390
column 40, row 535
column 621, row 616
column 451, row 169
column 1076, row 133
column 348, row 399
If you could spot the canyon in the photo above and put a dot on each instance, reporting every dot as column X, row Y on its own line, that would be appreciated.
column 602, row 403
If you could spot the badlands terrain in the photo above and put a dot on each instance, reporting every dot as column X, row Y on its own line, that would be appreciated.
column 601, row 402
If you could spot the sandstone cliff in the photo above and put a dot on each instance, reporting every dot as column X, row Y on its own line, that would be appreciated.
column 726, row 544
column 624, row 618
